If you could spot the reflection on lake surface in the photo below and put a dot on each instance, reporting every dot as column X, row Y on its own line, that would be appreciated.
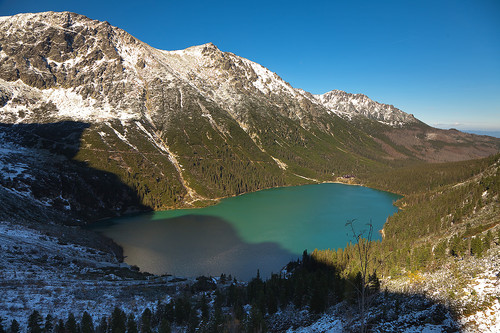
column 262, row 230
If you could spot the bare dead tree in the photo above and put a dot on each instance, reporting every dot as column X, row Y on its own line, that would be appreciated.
column 363, row 244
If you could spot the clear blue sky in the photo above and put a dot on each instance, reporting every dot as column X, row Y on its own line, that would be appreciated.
column 439, row 60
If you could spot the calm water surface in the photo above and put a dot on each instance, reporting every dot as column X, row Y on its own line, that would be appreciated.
column 262, row 230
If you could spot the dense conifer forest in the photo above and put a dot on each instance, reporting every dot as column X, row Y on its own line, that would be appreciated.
column 451, row 214
column 449, row 210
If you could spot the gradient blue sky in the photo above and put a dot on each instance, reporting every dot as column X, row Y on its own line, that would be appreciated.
column 439, row 60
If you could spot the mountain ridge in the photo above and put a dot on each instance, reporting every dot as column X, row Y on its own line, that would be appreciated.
column 210, row 56
column 185, row 127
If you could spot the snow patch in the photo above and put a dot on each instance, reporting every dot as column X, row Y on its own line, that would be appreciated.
column 40, row 272
column 73, row 105
column 307, row 178
column 12, row 171
column 269, row 81
column 121, row 137
column 280, row 163
column 326, row 323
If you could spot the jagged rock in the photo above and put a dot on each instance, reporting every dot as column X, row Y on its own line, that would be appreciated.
column 349, row 105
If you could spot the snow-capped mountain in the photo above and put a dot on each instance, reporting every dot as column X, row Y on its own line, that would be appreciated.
column 182, row 127
column 349, row 105
column 88, row 70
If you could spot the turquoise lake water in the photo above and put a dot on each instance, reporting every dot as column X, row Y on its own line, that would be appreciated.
column 262, row 230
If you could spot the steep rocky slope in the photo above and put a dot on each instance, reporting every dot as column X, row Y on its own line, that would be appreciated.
column 358, row 105
column 180, row 128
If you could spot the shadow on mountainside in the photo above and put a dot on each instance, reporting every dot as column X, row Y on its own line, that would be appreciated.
column 41, row 184
column 320, row 287
column 44, row 187
column 43, row 153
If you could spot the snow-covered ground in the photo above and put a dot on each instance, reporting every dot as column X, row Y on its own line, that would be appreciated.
column 390, row 312
column 461, row 296
column 40, row 272
column 327, row 323
column 470, row 286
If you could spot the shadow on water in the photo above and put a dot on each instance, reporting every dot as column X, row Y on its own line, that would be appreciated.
column 193, row 245
column 72, row 190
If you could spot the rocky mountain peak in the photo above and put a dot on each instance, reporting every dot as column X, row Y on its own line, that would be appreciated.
column 67, row 63
column 350, row 105
column 97, row 64
column 200, row 50
column 210, row 48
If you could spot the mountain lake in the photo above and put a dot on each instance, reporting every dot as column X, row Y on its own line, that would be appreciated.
column 262, row 231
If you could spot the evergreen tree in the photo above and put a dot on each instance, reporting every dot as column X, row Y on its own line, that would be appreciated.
column 103, row 326
column 272, row 303
column 14, row 326
column 60, row 327
column 164, row 326
column 256, row 323
column 35, row 322
column 182, row 310
column 204, row 308
column 318, row 301
column 239, row 311
column 373, row 283
column 131, row 324
column 457, row 246
column 440, row 250
column 169, row 312
column 193, row 321
column 118, row 321
column 49, row 324
column 487, row 240
column 2, row 329
column 71, row 325
column 87, row 324
column 146, row 321
column 476, row 246
column 216, row 321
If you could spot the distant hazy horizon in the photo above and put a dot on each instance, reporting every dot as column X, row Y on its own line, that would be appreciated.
column 495, row 134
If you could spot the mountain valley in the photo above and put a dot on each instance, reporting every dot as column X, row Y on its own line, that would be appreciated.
column 95, row 123
column 182, row 128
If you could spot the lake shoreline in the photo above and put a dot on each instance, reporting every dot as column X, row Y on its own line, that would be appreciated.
column 267, row 228
column 214, row 201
